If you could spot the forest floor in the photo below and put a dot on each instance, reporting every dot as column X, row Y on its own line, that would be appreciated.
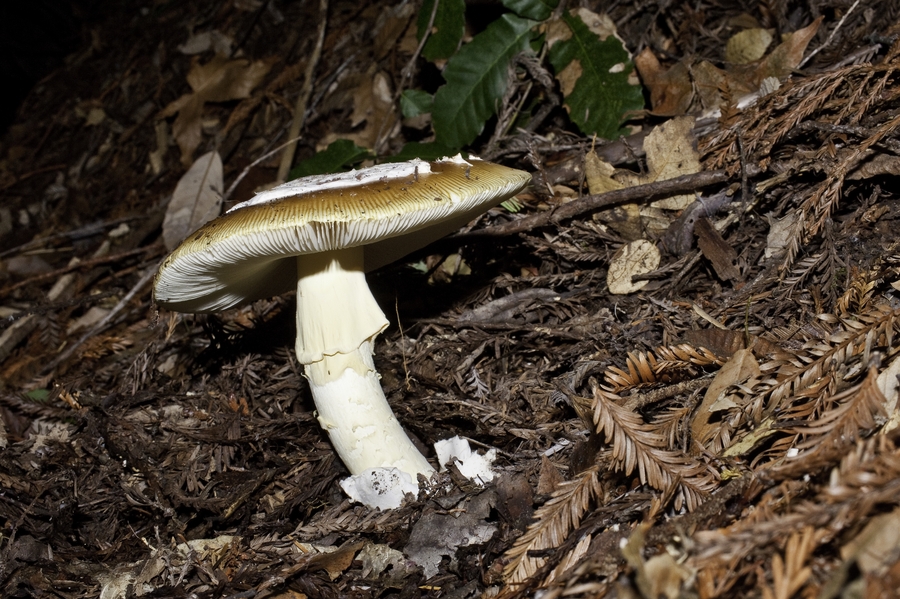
column 716, row 419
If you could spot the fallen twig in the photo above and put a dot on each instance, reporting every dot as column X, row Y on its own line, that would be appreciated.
column 639, row 194
column 303, row 99
column 62, row 357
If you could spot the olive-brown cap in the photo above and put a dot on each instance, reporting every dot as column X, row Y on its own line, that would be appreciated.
column 249, row 252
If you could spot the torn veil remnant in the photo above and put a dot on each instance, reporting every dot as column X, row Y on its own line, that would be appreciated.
column 321, row 234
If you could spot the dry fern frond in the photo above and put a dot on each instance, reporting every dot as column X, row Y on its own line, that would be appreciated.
column 852, row 413
column 767, row 123
column 875, row 328
column 641, row 372
column 858, row 294
column 571, row 558
column 800, row 272
column 868, row 475
column 796, row 387
column 699, row 356
column 789, row 573
column 875, row 461
column 553, row 522
column 722, row 435
column 818, row 207
column 639, row 446
column 776, row 451
column 670, row 423
column 665, row 364
column 856, row 410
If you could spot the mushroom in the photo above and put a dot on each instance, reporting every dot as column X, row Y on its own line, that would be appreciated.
column 320, row 235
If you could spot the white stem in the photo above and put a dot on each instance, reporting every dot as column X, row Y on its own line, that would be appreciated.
column 337, row 322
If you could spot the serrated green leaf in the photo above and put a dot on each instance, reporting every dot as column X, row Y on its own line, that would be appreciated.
column 476, row 80
column 425, row 151
column 601, row 95
column 338, row 156
column 538, row 10
column 447, row 30
column 414, row 102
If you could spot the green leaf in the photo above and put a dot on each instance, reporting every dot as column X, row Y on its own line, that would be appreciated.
column 447, row 30
column 414, row 102
column 40, row 395
column 425, row 151
column 476, row 80
column 594, row 74
column 512, row 205
column 538, row 10
column 338, row 156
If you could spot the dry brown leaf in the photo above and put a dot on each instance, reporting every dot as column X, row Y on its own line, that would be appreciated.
column 748, row 45
column 659, row 576
column 671, row 152
column 335, row 562
column 711, row 83
column 779, row 237
column 549, row 477
column 555, row 30
column 390, row 26
column 197, row 199
column 214, row 40
column 671, row 91
column 664, row 576
column 718, row 251
column 599, row 174
column 289, row 594
column 569, row 77
column 635, row 258
column 219, row 80
column 724, row 343
column 625, row 219
column 787, row 55
column 600, row 25
column 740, row 367
column 373, row 105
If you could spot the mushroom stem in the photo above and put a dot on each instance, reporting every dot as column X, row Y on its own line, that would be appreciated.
column 337, row 322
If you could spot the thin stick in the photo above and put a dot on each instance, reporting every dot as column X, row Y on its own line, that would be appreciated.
column 639, row 193
column 303, row 99
column 247, row 168
column 405, row 75
column 148, row 276
column 89, row 263
column 411, row 65
column 830, row 37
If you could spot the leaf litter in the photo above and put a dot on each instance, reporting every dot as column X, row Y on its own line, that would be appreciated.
column 727, row 429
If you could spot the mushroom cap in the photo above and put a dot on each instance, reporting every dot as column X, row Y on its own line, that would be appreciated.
column 249, row 253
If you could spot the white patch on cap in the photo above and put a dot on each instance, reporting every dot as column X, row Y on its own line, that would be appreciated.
column 458, row 159
column 390, row 171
